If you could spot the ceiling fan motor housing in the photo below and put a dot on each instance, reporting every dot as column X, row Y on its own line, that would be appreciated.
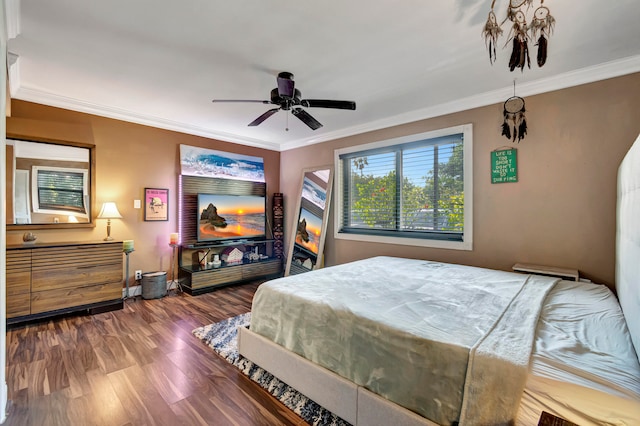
column 285, row 102
column 287, row 97
column 286, row 85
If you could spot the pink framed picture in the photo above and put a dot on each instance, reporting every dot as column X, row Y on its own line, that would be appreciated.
column 156, row 204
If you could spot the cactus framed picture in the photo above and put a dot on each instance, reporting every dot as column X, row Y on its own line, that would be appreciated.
column 156, row 204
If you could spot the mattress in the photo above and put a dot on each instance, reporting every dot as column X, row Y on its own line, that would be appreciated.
column 415, row 332
column 583, row 366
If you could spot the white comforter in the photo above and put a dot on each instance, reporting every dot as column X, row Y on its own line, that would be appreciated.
column 449, row 342
column 583, row 365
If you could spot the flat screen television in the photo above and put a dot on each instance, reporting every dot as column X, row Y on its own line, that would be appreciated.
column 231, row 217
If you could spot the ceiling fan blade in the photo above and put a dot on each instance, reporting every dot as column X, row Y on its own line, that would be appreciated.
column 264, row 117
column 241, row 100
column 286, row 85
column 306, row 118
column 325, row 103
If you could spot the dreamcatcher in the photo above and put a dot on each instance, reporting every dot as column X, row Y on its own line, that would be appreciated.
column 520, row 52
column 515, row 124
column 491, row 32
column 541, row 28
column 515, row 6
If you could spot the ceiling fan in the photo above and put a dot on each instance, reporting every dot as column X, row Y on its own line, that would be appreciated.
column 287, row 97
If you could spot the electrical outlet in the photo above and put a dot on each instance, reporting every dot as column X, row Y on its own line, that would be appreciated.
column 138, row 275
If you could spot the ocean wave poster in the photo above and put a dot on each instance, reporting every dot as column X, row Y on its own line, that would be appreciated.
column 196, row 161
column 314, row 193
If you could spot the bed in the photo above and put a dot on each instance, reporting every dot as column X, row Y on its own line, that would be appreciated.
column 404, row 341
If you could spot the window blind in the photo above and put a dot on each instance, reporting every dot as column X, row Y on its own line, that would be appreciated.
column 414, row 189
column 61, row 190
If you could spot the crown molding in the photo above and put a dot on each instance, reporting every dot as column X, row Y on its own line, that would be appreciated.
column 561, row 81
column 13, row 64
column 579, row 77
column 12, row 17
column 45, row 98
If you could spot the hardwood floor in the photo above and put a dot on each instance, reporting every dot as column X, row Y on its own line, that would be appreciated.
column 137, row 366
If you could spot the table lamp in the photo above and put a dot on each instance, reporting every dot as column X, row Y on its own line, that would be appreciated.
column 109, row 211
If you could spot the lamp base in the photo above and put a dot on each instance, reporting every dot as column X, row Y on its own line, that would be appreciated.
column 108, row 231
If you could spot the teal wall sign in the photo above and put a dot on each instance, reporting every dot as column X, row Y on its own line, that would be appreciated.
column 504, row 165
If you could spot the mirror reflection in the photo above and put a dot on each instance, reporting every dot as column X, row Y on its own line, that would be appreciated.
column 306, row 249
column 48, row 184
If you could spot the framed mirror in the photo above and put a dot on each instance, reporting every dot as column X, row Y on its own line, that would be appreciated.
column 310, row 227
column 50, row 184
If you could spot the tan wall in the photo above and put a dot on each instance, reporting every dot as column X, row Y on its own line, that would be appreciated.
column 129, row 157
column 561, row 212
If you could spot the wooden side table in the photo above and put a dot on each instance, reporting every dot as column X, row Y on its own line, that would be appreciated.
column 567, row 274
column 547, row 419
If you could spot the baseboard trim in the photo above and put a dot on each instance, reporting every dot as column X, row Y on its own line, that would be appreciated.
column 136, row 290
column 4, row 394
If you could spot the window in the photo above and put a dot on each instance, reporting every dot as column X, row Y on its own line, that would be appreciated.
column 60, row 190
column 414, row 190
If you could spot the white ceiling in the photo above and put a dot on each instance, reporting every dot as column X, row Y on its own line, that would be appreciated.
column 160, row 62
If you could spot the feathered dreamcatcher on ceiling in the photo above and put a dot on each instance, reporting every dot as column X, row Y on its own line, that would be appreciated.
column 520, row 41
column 540, row 29
column 514, row 125
column 491, row 32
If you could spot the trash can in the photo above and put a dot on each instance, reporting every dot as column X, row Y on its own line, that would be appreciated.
column 154, row 285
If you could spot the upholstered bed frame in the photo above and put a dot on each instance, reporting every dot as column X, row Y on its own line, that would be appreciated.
column 342, row 397
column 628, row 241
column 359, row 406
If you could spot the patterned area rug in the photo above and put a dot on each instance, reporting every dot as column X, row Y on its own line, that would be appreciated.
column 222, row 337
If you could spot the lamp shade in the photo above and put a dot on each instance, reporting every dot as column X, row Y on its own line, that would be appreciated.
column 109, row 211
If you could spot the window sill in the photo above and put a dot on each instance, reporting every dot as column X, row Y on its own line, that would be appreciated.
column 416, row 242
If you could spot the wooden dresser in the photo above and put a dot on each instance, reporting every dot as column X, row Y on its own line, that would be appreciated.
column 46, row 279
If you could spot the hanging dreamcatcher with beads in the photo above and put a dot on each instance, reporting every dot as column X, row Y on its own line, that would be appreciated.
column 491, row 32
column 514, row 125
column 539, row 30
column 520, row 41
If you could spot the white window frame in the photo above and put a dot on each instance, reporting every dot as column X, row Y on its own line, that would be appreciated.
column 35, row 200
column 467, row 155
column 21, row 205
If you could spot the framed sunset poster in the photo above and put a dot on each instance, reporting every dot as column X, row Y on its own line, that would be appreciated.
column 156, row 204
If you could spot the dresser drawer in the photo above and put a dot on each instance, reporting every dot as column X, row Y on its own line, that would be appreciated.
column 260, row 269
column 18, row 305
column 18, row 259
column 215, row 277
column 50, row 300
column 18, row 272
column 18, row 283
column 49, row 279
column 66, row 267
column 71, row 256
column 74, row 276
